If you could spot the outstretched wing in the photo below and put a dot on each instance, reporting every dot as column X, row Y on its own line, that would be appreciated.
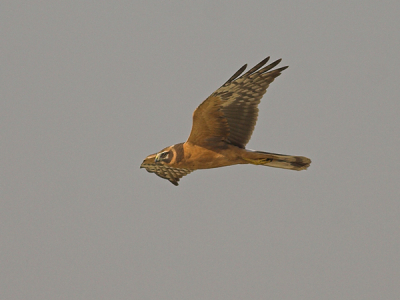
column 210, row 125
column 166, row 172
column 230, row 113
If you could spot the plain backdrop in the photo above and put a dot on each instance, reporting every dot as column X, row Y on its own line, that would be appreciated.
column 90, row 88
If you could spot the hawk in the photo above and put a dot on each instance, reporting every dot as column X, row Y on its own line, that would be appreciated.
column 222, row 126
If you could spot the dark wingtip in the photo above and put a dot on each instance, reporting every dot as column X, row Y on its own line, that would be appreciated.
column 264, row 61
column 257, row 66
column 283, row 68
column 237, row 74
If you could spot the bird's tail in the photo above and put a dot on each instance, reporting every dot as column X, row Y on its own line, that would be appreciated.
column 297, row 163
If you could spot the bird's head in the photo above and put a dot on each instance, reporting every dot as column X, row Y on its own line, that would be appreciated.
column 161, row 158
column 163, row 163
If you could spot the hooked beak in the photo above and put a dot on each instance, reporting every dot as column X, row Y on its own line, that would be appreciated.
column 149, row 160
column 157, row 159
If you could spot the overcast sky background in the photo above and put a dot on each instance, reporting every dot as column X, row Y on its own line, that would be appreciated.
column 88, row 90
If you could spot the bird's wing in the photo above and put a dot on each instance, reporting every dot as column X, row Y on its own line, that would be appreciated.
column 209, row 123
column 166, row 172
column 230, row 113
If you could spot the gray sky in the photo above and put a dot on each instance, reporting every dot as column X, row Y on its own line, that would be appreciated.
column 89, row 90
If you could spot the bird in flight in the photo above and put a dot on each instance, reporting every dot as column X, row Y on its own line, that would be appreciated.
column 222, row 126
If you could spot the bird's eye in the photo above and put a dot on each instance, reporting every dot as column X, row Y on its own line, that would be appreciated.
column 161, row 156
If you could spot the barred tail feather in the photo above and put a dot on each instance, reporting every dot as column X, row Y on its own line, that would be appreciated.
column 290, row 162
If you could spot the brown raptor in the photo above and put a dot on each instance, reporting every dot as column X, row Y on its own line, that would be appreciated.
column 222, row 126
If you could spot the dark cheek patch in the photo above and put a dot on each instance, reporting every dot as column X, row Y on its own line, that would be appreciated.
column 179, row 152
